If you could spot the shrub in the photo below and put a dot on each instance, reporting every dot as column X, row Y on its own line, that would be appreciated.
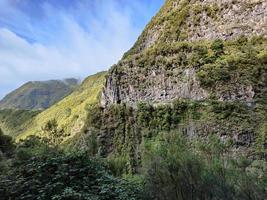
column 73, row 176
column 6, row 144
column 179, row 169
column 218, row 47
column 53, row 133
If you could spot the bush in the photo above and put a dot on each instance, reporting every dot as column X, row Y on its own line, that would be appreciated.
column 53, row 133
column 73, row 176
column 179, row 169
column 6, row 144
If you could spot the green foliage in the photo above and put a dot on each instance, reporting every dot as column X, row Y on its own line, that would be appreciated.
column 163, row 117
column 261, row 141
column 13, row 122
column 59, row 176
column 53, row 133
column 41, row 171
column 71, row 111
column 217, row 47
column 122, row 129
column 221, row 66
column 242, row 59
column 6, row 144
column 7, row 148
column 212, row 10
column 210, row 74
column 117, row 164
column 175, row 170
column 34, row 146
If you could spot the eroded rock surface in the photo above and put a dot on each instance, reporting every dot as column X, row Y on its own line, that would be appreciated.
column 193, row 22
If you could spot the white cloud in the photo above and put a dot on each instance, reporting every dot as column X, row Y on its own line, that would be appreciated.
column 65, row 44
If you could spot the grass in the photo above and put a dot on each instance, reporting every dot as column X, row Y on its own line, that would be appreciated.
column 13, row 121
column 70, row 112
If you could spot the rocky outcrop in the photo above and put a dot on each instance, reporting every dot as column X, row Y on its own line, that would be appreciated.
column 191, row 21
column 194, row 20
column 154, row 86
column 227, row 19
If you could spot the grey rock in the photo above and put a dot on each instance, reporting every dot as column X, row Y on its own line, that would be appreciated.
column 232, row 18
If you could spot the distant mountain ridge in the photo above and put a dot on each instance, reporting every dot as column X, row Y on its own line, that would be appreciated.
column 38, row 95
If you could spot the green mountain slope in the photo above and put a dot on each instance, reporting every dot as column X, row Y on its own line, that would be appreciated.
column 13, row 122
column 38, row 95
column 70, row 113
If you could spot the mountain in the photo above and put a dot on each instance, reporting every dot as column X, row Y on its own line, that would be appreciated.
column 181, row 116
column 198, row 69
column 71, row 112
column 195, row 50
column 38, row 95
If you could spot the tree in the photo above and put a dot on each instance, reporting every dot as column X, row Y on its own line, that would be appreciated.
column 61, row 177
column 6, row 144
column 53, row 133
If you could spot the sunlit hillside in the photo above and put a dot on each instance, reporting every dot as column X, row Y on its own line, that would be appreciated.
column 71, row 111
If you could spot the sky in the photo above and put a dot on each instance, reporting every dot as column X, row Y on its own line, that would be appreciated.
column 57, row 39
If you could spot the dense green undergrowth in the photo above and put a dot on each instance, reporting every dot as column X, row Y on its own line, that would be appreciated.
column 122, row 129
column 40, row 170
column 172, row 167
column 186, row 149
column 177, row 168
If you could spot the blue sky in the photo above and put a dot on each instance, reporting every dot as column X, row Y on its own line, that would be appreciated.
column 56, row 39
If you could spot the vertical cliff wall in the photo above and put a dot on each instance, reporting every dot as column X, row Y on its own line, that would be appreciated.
column 179, row 48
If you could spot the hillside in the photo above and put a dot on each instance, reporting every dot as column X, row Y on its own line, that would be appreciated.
column 183, row 116
column 13, row 122
column 196, row 50
column 193, row 20
column 71, row 112
column 199, row 69
column 38, row 95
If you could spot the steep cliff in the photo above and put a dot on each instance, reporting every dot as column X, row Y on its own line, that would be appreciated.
column 199, row 69
column 197, row 50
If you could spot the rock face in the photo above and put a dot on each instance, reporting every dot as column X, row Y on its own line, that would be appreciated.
column 147, row 73
column 234, row 18
column 205, row 19
column 162, row 88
